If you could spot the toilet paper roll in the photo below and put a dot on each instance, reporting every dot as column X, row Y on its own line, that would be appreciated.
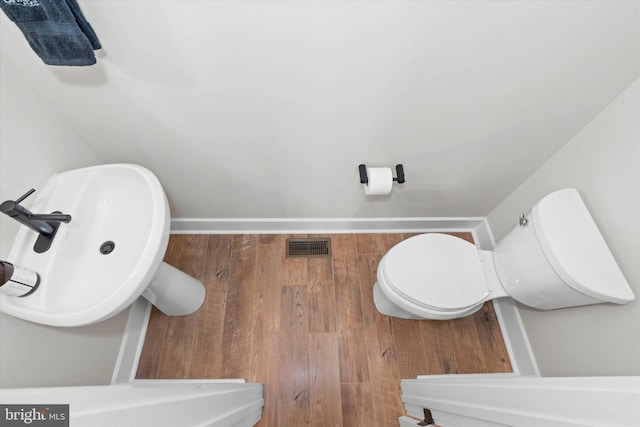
column 380, row 181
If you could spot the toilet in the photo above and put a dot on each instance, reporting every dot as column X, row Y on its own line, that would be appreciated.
column 555, row 258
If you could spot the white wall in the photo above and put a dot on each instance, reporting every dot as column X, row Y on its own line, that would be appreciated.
column 34, row 143
column 603, row 162
column 264, row 109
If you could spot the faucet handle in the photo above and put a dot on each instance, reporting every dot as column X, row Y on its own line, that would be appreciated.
column 25, row 195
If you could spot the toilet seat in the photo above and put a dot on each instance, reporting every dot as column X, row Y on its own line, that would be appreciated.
column 433, row 272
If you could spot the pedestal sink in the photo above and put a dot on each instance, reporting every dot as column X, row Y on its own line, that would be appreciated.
column 107, row 256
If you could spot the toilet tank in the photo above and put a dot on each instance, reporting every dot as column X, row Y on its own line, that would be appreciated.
column 559, row 258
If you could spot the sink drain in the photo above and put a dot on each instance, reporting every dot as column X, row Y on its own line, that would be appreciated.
column 107, row 247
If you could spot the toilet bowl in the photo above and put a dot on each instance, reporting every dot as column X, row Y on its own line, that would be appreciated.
column 556, row 258
column 435, row 276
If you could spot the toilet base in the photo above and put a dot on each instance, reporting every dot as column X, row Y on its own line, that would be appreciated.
column 174, row 292
column 385, row 306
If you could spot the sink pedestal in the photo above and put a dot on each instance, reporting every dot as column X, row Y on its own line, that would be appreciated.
column 174, row 292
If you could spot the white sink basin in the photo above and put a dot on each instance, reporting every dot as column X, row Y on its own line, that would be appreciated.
column 79, row 285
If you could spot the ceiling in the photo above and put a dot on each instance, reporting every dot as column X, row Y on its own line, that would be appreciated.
column 265, row 109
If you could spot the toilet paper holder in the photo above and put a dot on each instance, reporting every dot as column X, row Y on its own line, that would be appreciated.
column 364, row 179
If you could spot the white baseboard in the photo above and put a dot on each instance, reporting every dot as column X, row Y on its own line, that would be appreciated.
column 132, row 342
column 322, row 225
column 482, row 235
column 515, row 338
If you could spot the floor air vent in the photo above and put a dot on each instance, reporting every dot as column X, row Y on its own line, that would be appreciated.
column 307, row 248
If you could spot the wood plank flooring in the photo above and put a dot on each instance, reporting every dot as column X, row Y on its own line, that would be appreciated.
column 308, row 330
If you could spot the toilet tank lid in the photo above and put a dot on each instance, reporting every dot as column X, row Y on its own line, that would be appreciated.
column 576, row 249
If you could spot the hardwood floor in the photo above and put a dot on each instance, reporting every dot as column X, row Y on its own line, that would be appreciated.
column 308, row 330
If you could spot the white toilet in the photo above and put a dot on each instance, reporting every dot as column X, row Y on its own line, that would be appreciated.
column 556, row 258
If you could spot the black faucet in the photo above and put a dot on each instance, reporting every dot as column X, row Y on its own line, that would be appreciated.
column 46, row 225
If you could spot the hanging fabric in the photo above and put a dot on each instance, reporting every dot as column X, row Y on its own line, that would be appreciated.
column 55, row 29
